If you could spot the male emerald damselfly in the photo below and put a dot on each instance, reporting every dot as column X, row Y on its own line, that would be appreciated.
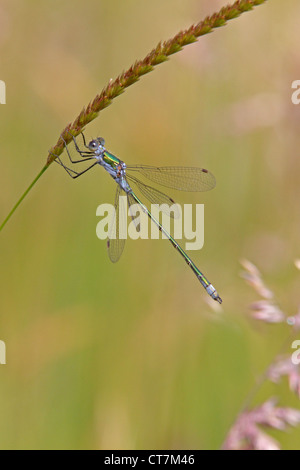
column 180, row 178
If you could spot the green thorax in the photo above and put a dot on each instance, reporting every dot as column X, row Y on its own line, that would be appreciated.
column 110, row 159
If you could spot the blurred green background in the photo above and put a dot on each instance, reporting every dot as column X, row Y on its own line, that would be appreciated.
column 133, row 355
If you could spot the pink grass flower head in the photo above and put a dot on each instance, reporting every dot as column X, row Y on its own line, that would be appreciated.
column 246, row 434
column 286, row 368
column 253, row 277
column 295, row 321
column 266, row 311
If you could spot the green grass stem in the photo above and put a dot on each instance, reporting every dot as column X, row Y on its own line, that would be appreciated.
column 116, row 87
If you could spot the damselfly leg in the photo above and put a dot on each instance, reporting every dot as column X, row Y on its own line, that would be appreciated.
column 86, row 156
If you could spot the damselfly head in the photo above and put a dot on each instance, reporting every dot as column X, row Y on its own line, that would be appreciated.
column 96, row 143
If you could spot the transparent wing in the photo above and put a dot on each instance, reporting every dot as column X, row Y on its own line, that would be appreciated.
column 156, row 197
column 177, row 177
column 115, row 245
column 131, row 202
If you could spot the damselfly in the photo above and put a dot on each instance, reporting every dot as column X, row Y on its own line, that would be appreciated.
column 180, row 178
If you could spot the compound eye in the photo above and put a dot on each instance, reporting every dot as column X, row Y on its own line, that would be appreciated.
column 93, row 145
